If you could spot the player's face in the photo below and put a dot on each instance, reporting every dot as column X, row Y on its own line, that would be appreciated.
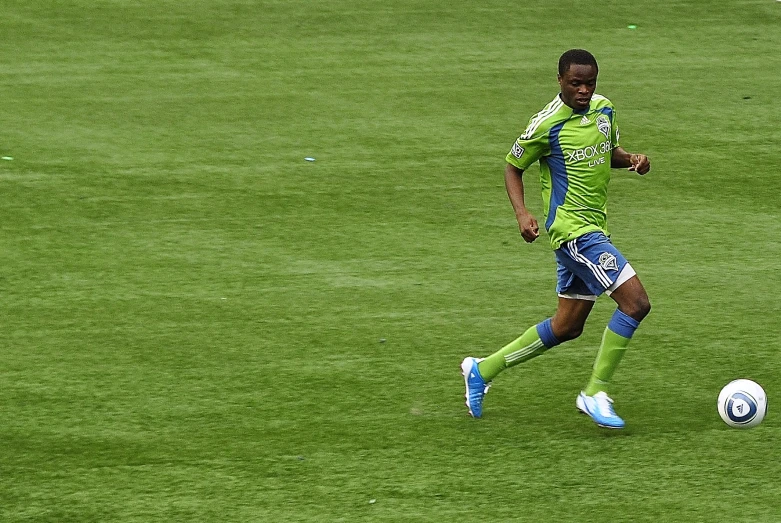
column 577, row 85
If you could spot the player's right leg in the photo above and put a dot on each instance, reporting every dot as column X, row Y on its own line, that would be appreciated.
column 565, row 325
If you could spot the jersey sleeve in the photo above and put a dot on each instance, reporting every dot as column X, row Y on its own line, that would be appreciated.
column 528, row 149
column 614, row 134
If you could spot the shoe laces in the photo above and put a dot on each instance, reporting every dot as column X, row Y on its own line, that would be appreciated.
column 604, row 404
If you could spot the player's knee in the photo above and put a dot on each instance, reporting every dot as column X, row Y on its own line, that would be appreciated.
column 639, row 308
column 569, row 332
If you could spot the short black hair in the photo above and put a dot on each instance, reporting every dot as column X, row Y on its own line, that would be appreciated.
column 576, row 56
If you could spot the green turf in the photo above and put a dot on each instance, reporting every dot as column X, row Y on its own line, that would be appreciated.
column 199, row 325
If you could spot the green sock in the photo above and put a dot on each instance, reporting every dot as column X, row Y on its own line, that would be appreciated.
column 609, row 356
column 523, row 349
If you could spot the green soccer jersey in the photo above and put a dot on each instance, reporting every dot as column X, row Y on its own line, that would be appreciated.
column 574, row 149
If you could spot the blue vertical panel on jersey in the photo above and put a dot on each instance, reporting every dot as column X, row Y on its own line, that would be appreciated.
column 558, row 174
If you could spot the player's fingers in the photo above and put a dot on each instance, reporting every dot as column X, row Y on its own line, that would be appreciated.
column 636, row 160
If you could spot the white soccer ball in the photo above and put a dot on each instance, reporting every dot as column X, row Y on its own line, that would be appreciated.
column 742, row 404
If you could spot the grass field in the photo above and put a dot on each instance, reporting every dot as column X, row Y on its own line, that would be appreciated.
column 200, row 325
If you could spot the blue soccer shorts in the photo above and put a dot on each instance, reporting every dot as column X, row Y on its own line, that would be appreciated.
column 589, row 266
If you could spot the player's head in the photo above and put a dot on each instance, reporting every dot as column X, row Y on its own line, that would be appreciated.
column 578, row 72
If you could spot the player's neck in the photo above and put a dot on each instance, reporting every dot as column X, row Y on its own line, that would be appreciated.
column 576, row 110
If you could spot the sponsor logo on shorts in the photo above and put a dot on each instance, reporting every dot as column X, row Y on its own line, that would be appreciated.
column 608, row 261
column 517, row 150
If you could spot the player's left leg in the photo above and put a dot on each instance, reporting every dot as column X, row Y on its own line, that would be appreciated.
column 594, row 259
column 633, row 306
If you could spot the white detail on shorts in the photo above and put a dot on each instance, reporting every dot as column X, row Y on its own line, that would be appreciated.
column 626, row 273
column 573, row 296
column 608, row 261
column 598, row 272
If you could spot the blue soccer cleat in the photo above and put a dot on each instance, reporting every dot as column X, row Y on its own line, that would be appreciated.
column 476, row 387
column 600, row 408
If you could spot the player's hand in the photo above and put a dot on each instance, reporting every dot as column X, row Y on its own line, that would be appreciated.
column 528, row 226
column 640, row 163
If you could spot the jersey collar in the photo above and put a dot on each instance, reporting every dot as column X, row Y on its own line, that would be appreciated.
column 579, row 111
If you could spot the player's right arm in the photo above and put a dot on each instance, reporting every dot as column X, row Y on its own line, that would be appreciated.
column 527, row 223
column 526, row 150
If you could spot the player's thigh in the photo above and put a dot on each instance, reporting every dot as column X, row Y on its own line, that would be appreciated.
column 632, row 298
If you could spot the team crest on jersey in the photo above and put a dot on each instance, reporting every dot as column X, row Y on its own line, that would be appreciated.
column 603, row 124
column 517, row 150
column 608, row 261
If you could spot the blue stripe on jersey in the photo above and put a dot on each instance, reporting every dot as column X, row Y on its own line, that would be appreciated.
column 608, row 111
column 558, row 174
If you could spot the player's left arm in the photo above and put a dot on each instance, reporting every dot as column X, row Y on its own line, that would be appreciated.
column 634, row 162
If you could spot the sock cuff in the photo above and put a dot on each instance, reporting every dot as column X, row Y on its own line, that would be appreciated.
column 622, row 324
column 545, row 332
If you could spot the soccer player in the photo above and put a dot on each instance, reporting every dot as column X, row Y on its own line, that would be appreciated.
column 575, row 139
